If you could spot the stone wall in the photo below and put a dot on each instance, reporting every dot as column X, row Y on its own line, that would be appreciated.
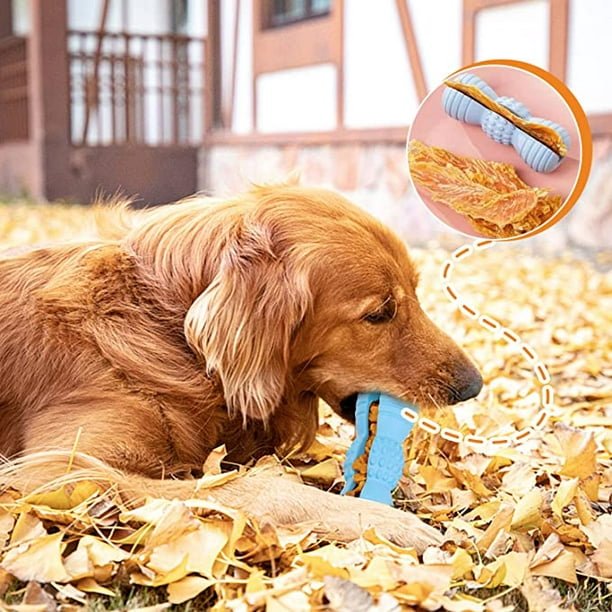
column 376, row 178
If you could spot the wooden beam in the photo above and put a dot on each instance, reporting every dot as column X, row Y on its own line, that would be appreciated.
column 212, row 68
column 468, row 38
column 49, row 96
column 228, row 114
column 412, row 48
column 558, row 27
column 6, row 18
column 601, row 124
column 391, row 135
column 92, row 80
column 339, row 62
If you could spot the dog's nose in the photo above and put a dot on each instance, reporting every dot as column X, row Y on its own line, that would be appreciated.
column 471, row 388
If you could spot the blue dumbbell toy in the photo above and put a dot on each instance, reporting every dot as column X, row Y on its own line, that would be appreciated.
column 541, row 144
column 385, row 461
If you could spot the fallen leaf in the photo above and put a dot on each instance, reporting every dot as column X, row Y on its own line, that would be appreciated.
column 7, row 522
column 66, row 497
column 212, row 465
column 501, row 521
column 39, row 559
column 379, row 572
column 320, row 567
column 564, row 495
column 519, row 479
column 579, row 448
column 35, row 595
column 27, row 527
column 554, row 561
column 602, row 558
column 541, row 597
column 89, row 585
column 345, row 596
column 199, row 549
column 528, row 511
column 326, row 472
column 187, row 588
column 435, row 480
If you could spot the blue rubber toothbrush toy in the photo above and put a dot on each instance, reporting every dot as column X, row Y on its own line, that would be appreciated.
column 534, row 153
column 386, row 458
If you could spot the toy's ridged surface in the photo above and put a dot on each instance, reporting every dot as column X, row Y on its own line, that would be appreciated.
column 386, row 459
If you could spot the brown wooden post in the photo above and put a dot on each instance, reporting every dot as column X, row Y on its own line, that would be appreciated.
column 212, row 68
column 49, row 95
column 412, row 49
column 6, row 18
column 559, row 25
column 468, row 40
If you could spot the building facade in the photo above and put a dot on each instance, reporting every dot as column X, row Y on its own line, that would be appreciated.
column 164, row 97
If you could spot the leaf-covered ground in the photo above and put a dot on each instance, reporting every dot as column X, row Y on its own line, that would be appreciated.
column 526, row 527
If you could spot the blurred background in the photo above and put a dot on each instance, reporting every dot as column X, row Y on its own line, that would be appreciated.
column 161, row 98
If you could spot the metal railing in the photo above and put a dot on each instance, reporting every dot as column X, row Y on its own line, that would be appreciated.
column 130, row 88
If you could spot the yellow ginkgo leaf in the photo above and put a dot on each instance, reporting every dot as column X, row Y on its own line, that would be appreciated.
column 563, row 567
column 27, row 527
column 519, row 479
column 564, row 495
column 66, row 497
column 602, row 558
column 201, row 549
column 39, row 559
column 320, row 567
column 187, row 588
column 579, row 448
column 212, row 465
column 436, row 481
column 326, row 472
column 528, row 511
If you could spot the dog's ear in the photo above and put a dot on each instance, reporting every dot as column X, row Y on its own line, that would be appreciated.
column 243, row 323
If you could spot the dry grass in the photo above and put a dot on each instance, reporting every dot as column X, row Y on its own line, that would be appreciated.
column 528, row 527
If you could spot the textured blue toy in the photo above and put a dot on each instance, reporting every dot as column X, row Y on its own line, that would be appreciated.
column 386, row 458
column 533, row 152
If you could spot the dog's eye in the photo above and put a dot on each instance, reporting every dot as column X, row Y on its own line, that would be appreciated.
column 384, row 313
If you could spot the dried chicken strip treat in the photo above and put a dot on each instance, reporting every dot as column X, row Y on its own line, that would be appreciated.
column 542, row 133
column 361, row 463
column 491, row 195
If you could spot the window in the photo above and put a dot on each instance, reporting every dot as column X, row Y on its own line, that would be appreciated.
column 284, row 12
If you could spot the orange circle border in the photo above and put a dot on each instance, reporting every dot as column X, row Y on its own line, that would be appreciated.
column 584, row 130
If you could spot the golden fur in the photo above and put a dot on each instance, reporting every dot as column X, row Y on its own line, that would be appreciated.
column 211, row 322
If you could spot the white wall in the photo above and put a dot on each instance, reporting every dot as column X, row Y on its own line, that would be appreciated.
column 437, row 29
column 21, row 17
column 590, row 54
column 515, row 31
column 378, row 86
column 302, row 99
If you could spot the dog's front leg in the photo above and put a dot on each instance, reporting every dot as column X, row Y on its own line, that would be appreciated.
column 271, row 496
column 268, row 495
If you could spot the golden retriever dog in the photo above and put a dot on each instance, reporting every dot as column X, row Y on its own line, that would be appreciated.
column 217, row 322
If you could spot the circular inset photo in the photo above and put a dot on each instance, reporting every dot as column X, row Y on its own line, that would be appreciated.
column 498, row 150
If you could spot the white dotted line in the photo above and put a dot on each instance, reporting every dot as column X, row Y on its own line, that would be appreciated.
column 528, row 352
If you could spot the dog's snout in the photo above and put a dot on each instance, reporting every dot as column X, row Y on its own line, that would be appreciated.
column 470, row 386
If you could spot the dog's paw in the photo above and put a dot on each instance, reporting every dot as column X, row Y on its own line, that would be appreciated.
column 276, row 499
column 340, row 518
column 353, row 516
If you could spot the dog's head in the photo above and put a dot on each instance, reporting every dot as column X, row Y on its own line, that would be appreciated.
column 310, row 295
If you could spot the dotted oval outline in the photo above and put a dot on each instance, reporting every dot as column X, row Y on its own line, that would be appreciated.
column 547, row 393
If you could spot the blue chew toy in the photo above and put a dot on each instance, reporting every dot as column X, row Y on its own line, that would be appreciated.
column 386, row 458
column 534, row 153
